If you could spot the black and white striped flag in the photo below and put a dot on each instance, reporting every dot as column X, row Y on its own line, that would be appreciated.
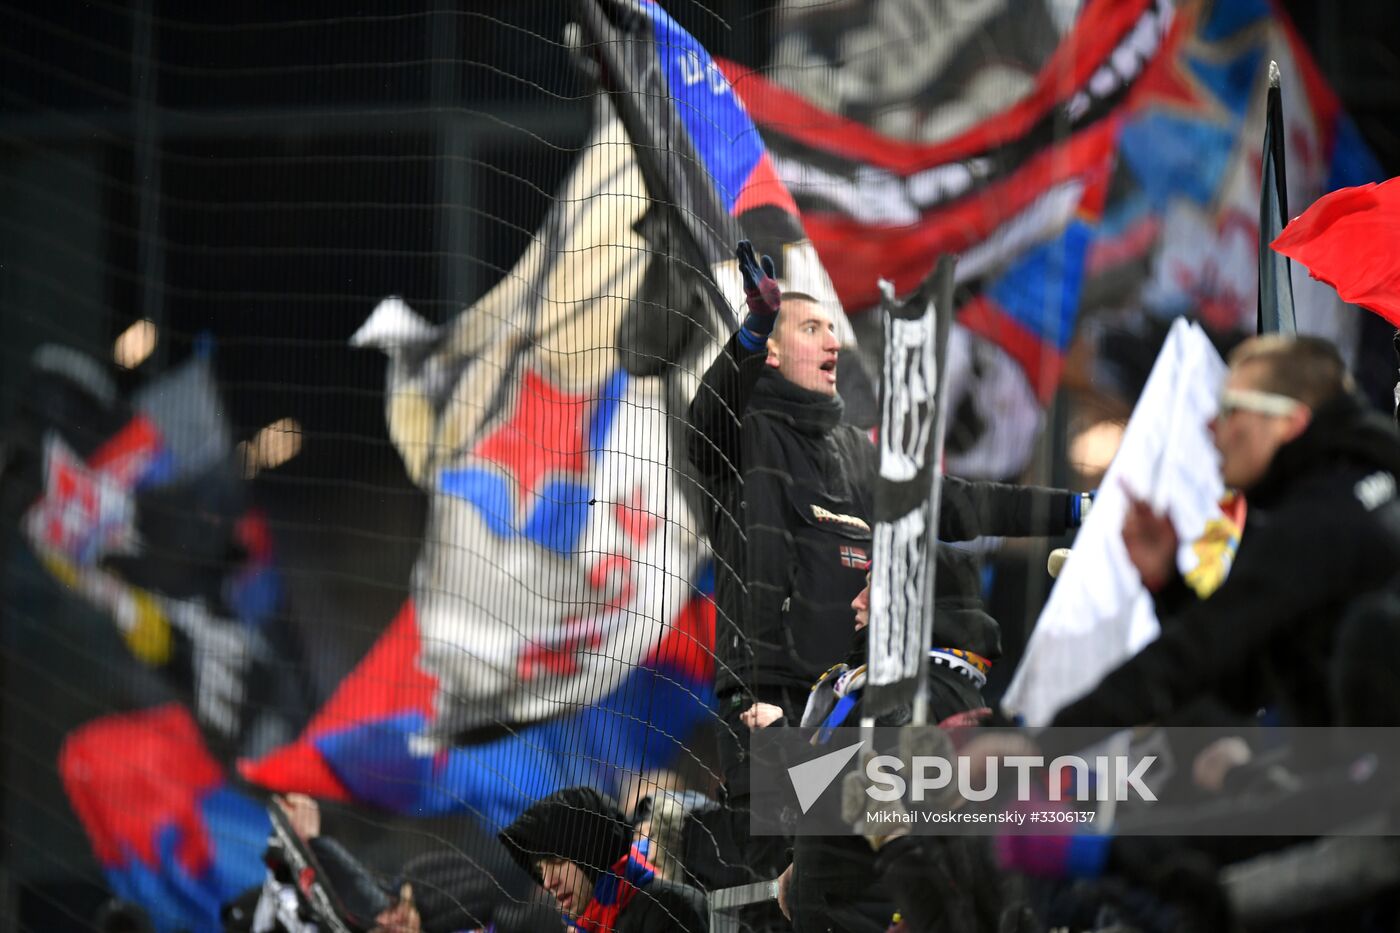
column 912, row 421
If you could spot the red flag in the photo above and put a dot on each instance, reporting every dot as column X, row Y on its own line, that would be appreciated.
column 1347, row 239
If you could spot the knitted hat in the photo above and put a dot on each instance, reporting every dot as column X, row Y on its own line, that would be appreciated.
column 577, row 824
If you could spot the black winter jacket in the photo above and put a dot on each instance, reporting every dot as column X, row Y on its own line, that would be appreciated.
column 789, row 492
column 1323, row 529
column 664, row 907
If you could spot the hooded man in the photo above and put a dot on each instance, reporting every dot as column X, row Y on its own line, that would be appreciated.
column 577, row 845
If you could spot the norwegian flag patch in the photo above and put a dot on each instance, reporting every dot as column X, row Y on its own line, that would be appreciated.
column 854, row 557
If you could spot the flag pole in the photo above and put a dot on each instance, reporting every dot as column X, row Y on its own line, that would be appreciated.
column 908, row 488
column 661, row 150
column 1275, row 309
column 943, row 318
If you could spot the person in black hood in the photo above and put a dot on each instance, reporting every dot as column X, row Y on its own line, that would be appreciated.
column 789, row 488
column 577, row 845
column 1318, row 470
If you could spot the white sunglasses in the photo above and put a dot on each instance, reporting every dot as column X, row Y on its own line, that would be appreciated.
column 1262, row 403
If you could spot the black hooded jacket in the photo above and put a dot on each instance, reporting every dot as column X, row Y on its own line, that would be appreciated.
column 1323, row 529
column 580, row 825
column 789, row 490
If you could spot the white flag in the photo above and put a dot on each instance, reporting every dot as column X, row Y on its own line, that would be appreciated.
column 1099, row 614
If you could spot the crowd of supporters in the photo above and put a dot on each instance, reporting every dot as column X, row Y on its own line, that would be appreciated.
column 1305, row 631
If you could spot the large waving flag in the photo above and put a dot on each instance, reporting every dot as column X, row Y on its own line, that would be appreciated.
column 140, row 509
column 541, row 420
column 367, row 743
column 560, row 629
column 1015, row 196
column 168, row 830
column 1180, row 232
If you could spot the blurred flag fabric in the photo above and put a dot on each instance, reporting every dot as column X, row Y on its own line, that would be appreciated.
column 168, row 831
column 139, row 508
column 1015, row 194
column 1180, row 231
column 1099, row 614
column 367, row 742
column 1347, row 239
column 561, row 600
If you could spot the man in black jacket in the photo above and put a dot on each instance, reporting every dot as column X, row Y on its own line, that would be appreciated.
column 1318, row 470
column 576, row 844
column 789, row 490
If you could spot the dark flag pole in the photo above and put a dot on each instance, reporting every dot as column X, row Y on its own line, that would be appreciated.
column 1275, row 271
column 670, row 167
column 913, row 419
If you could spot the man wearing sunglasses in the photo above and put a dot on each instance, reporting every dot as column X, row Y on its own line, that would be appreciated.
column 1318, row 471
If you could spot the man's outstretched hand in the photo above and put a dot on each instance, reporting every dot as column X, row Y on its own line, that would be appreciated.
column 1151, row 542
column 760, row 281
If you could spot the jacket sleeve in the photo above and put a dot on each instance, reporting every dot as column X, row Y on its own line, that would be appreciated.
column 946, row 883
column 970, row 509
column 1174, row 597
column 669, row 907
column 718, row 407
column 1279, row 578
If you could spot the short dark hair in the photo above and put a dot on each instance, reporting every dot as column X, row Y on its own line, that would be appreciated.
column 790, row 298
column 1308, row 369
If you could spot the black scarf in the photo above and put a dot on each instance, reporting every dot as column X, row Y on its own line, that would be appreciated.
column 809, row 412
